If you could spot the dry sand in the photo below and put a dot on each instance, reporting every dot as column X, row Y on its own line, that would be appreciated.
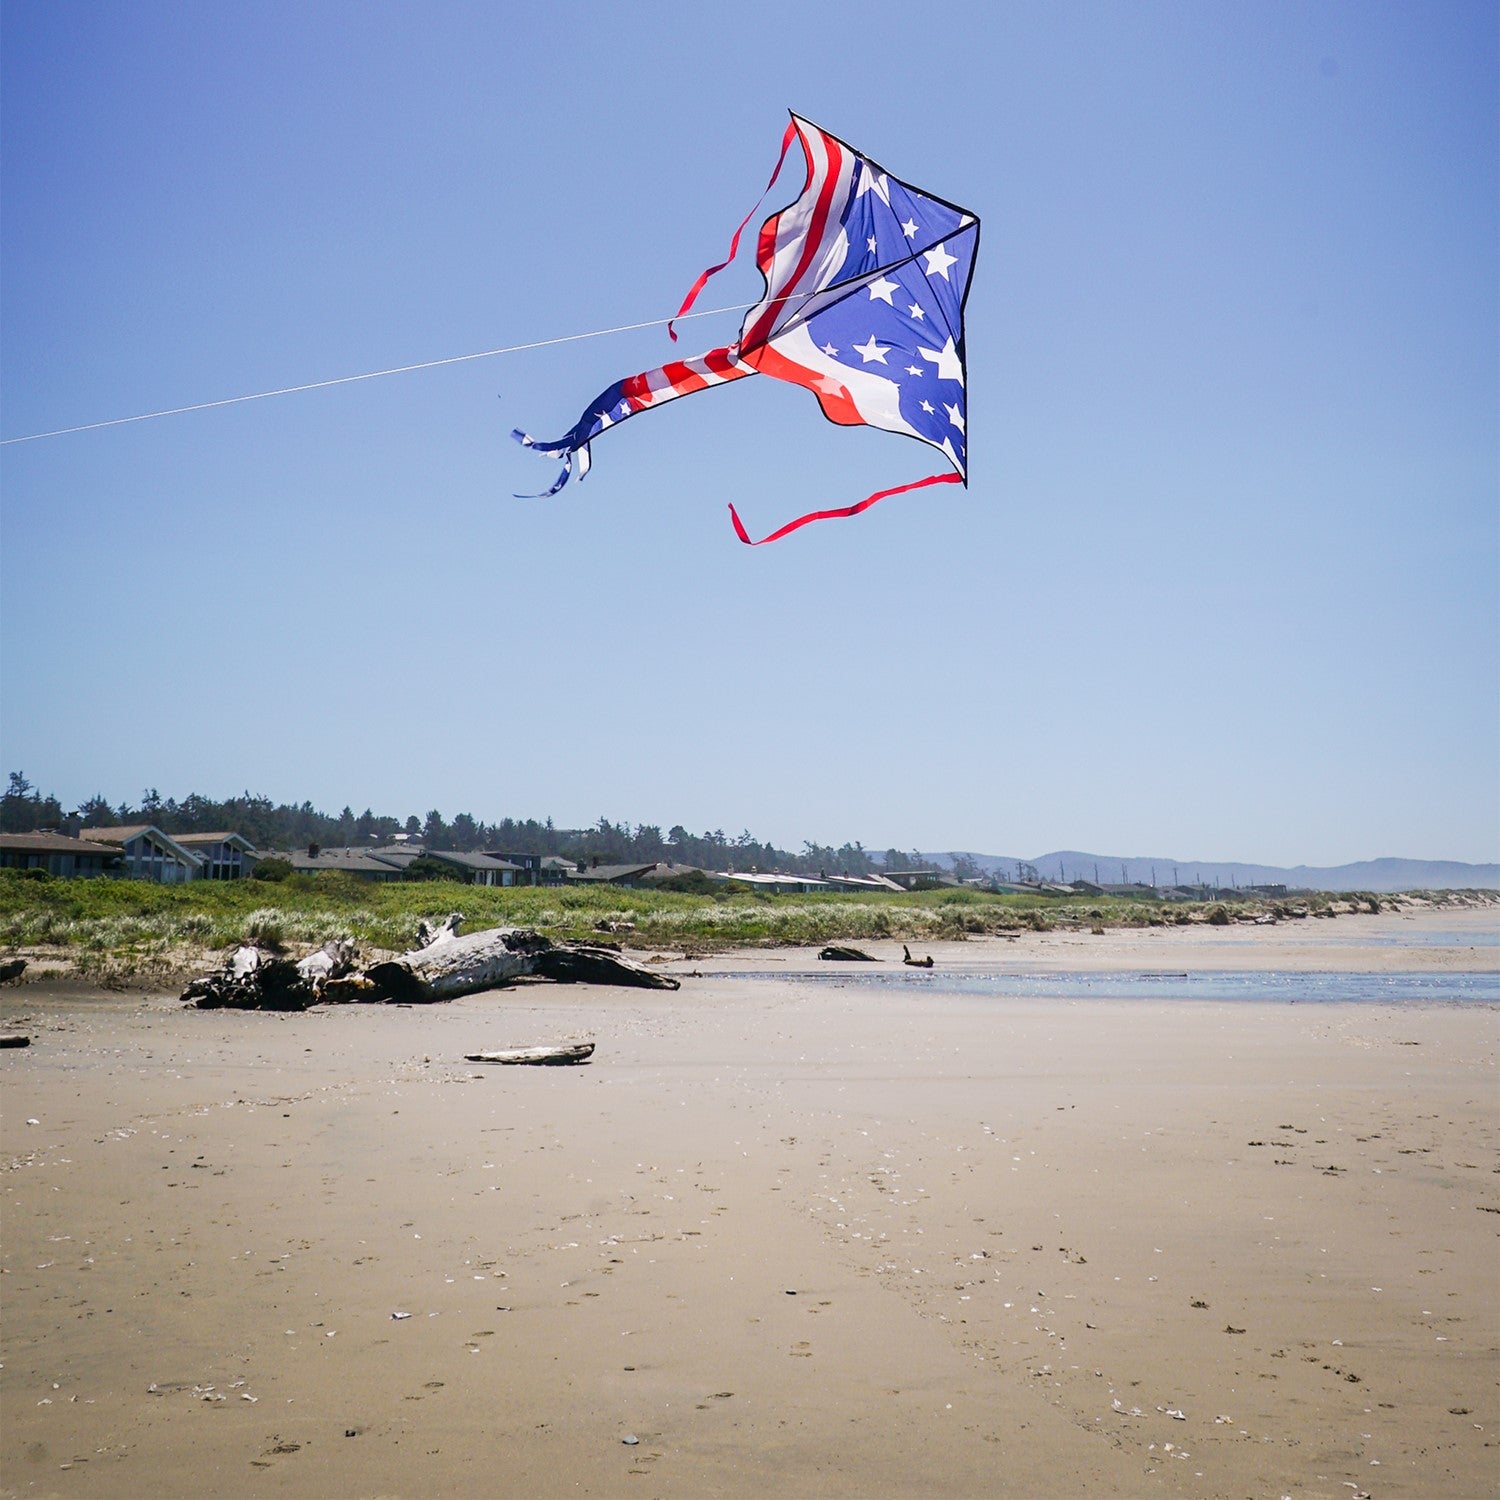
column 791, row 1238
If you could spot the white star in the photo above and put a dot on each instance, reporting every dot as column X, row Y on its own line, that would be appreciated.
column 882, row 290
column 830, row 351
column 928, row 406
column 872, row 352
column 913, row 369
column 954, row 415
column 938, row 261
column 909, row 228
column 871, row 243
column 870, row 182
column 917, row 312
column 947, row 361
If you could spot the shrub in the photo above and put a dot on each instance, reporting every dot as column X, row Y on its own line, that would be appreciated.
column 272, row 867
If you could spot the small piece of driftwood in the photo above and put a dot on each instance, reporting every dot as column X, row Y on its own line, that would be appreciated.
column 839, row 953
column 915, row 963
column 566, row 1052
column 14, row 1039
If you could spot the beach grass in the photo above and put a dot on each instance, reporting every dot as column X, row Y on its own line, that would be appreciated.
column 126, row 926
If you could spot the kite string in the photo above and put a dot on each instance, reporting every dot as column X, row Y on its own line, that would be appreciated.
column 318, row 385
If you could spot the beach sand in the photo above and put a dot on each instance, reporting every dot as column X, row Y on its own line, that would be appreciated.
column 779, row 1237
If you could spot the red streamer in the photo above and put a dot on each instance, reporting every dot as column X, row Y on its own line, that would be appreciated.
column 734, row 244
column 845, row 511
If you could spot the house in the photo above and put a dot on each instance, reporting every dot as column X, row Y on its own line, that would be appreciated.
column 477, row 869
column 149, row 854
column 56, row 853
column 919, row 880
column 226, row 856
column 538, row 869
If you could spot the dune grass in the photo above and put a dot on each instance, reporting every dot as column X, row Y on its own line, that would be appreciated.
column 128, row 925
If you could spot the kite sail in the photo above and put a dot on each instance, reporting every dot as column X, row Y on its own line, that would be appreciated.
column 866, row 279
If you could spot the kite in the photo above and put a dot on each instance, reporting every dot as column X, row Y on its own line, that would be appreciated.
column 866, row 279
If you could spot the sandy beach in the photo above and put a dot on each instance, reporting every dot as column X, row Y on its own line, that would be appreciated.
column 788, row 1235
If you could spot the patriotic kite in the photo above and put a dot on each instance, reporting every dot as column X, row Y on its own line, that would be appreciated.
column 866, row 279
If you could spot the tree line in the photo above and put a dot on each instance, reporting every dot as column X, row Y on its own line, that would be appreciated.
column 288, row 826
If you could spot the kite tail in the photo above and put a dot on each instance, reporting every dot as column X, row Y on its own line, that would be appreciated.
column 622, row 400
column 734, row 244
column 842, row 512
column 554, row 450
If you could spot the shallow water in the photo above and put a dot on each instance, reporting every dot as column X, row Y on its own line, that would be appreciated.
column 1290, row 986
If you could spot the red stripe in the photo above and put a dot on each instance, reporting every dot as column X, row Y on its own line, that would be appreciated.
column 812, row 242
column 734, row 244
column 832, row 515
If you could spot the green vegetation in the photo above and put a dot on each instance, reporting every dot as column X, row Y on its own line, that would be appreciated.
column 123, row 927
column 119, row 929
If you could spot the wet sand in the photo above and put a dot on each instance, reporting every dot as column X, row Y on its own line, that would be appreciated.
column 793, row 1238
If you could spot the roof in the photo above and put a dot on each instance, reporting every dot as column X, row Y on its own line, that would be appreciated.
column 608, row 873
column 471, row 861
column 767, row 878
column 202, row 840
column 864, row 882
column 354, row 861
column 128, row 832
column 120, row 834
column 400, row 855
column 52, row 843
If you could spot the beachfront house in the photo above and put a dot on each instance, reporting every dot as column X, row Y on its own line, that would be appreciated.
column 146, row 853
column 226, row 856
column 537, row 869
column 477, row 869
column 56, row 853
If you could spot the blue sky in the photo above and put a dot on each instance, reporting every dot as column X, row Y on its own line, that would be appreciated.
column 1225, row 582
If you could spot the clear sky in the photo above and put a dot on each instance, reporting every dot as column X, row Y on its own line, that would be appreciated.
column 1225, row 583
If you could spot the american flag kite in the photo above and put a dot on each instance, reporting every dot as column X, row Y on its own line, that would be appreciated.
column 866, row 278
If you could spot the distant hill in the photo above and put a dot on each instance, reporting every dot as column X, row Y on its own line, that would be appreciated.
column 1366, row 875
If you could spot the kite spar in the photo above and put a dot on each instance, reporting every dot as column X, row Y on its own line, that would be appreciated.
column 866, row 279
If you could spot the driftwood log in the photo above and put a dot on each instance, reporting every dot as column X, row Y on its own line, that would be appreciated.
column 443, row 967
column 454, row 966
column 561, row 1055
column 252, row 979
column 12, row 968
column 842, row 953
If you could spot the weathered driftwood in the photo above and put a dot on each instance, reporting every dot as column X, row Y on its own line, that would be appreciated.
column 563, row 1053
column 252, row 979
column 446, row 967
column 841, row 953
column 485, row 960
column 915, row 963
column 12, row 968
column 20, row 1039
column 430, row 933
